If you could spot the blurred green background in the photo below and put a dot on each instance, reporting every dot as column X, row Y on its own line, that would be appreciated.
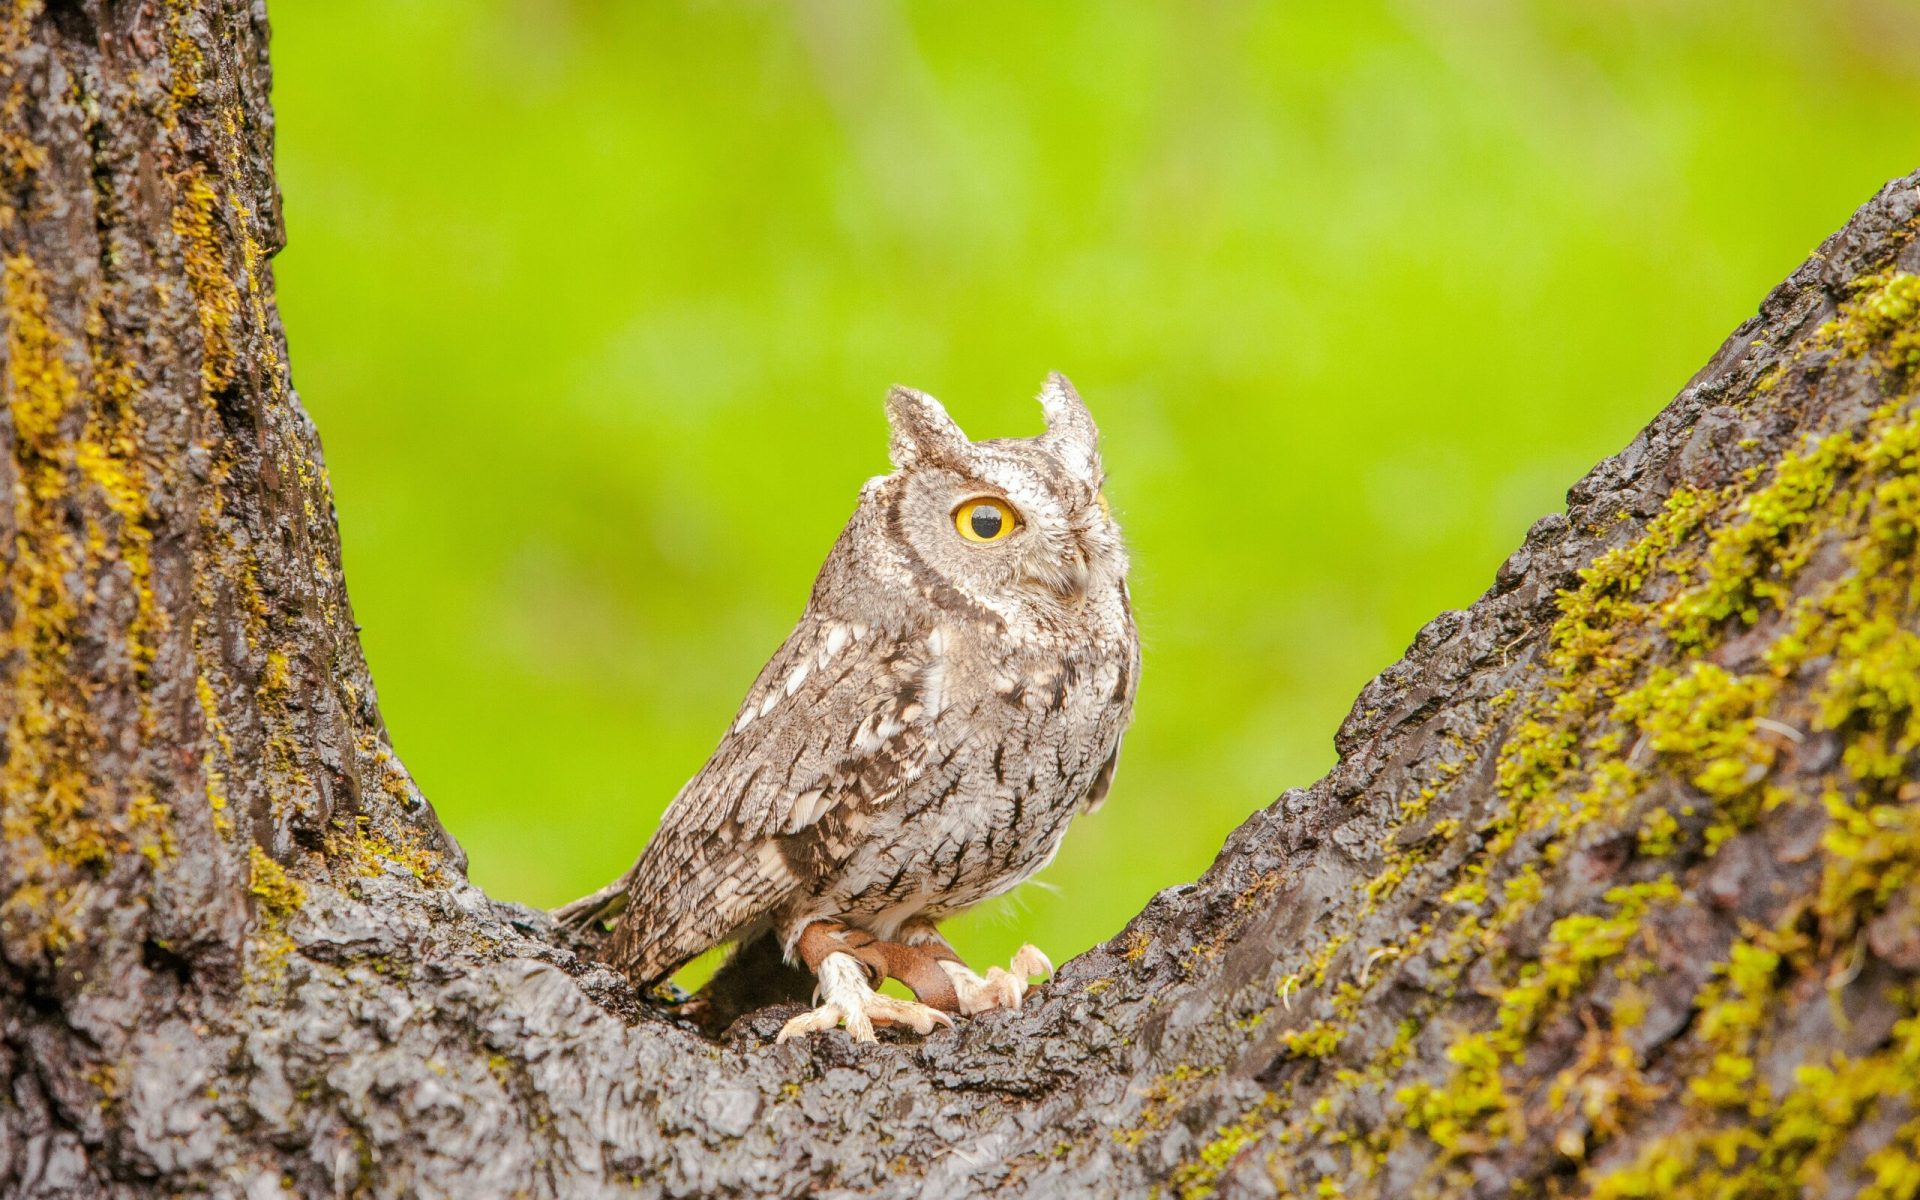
column 595, row 304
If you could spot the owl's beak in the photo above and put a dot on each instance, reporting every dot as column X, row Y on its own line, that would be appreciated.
column 1068, row 578
column 1077, row 575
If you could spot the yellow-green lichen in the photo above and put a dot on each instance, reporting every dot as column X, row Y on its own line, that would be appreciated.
column 1881, row 323
column 1317, row 1040
column 51, row 819
column 1196, row 1180
column 1678, row 700
column 368, row 852
column 279, row 895
column 1731, row 1011
column 216, row 298
column 1164, row 1098
column 1784, row 1147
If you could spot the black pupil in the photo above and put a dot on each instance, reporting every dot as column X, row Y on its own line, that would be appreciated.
column 986, row 521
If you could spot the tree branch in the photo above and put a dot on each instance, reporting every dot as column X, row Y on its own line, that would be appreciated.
column 1614, row 888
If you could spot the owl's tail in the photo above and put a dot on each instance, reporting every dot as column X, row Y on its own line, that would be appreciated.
column 590, row 913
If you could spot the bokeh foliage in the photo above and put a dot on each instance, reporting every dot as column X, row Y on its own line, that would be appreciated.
column 595, row 303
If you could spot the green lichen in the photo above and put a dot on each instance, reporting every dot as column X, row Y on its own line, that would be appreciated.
column 1781, row 1148
column 1732, row 1010
column 1750, row 561
column 1711, row 563
column 1165, row 1097
column 216, row 298
column 1471, row 1108
column 1881, row 324
column 1318, row 1040
column 278, row 895
column 1196, row 1180
column 367, row 852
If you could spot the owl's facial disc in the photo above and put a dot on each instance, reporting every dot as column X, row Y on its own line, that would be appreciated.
column 1061, row 568
column 1019, row 526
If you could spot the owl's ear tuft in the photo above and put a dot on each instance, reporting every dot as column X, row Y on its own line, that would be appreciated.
column 1070, row 428
column 922, row 430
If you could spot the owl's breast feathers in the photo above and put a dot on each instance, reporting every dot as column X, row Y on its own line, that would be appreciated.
column 935, row 762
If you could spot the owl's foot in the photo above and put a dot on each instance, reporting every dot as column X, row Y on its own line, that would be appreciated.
column 847, row 997
column 1001, row 987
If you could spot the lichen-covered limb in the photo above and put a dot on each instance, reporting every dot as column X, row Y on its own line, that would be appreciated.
column 1613, row 890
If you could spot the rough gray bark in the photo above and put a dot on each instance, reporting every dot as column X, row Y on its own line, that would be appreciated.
column 1616, row 888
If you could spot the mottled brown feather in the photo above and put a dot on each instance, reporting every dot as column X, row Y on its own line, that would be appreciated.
column 725, row 840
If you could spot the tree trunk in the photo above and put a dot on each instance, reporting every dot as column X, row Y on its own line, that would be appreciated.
column 1615, row 890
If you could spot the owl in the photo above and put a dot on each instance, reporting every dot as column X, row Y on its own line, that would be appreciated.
column 953, row 696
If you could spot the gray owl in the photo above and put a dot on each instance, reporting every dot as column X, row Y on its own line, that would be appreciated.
column 953, row 696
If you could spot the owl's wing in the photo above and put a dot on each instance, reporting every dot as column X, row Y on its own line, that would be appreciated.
column 831, row 731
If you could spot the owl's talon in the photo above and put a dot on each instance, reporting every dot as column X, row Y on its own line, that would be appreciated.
column 1029, row 961
column 1000, row 987
column 847, row 997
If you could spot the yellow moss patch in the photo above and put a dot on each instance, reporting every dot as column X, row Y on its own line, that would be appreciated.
column 367, row 852
column 1783, row 1148
column 1195, row 1180
column 215, row 296
column 1165, row 1097
column 1317, row 1040
column 1732, row 1009
column 49, row 816
column 267, row 881
column 1605, row 1085
column 1881, row 323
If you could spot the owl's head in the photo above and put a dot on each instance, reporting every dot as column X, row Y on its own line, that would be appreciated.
column 1007, row 523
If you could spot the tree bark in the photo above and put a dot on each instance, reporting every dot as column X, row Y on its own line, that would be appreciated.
column 1615, row 889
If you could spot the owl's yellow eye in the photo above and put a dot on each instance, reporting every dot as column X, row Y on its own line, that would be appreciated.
column 985, row 519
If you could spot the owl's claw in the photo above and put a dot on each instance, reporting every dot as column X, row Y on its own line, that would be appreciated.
column 1001, row 988
column 846, row 996
column 1028, row 961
